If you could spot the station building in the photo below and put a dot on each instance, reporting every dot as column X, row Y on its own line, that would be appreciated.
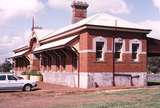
column 97, row 51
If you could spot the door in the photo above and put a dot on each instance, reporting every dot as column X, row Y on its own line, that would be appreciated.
column 3, row 82
column 14, row 83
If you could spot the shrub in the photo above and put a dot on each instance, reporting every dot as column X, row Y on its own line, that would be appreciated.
column 24, row 73
column 35, row 73
column 154, row 64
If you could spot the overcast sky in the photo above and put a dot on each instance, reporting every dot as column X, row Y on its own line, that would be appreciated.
column 16, row 17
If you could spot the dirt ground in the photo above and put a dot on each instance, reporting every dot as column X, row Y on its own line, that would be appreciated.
column 49, row 96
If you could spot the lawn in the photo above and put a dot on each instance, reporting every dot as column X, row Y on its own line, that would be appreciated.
column 141, row 98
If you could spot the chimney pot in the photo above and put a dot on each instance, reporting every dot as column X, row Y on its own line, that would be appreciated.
column 79, row 10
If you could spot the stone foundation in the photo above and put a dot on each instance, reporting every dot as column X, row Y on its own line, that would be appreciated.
column 61, row 78
column 137, row 79
column 93, row 80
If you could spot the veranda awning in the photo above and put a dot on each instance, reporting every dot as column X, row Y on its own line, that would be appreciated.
column 19, row 54
column 55, row 45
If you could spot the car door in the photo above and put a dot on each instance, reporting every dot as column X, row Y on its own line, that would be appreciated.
column 3, row 82
column 14, row 83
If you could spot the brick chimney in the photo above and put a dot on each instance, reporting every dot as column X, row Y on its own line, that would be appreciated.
column 79, row 10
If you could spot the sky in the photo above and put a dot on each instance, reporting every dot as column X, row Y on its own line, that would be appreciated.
column 16, row 17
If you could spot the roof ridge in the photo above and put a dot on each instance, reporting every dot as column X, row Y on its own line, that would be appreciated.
column 100, row 19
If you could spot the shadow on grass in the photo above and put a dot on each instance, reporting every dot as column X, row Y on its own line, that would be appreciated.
column 153, row 83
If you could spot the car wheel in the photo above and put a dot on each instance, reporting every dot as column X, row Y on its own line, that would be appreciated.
column 27, row 88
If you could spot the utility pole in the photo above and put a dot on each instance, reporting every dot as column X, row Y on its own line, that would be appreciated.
column 33, row 26
column 113, row 52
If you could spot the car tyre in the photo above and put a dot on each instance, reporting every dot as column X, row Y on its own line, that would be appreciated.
column 27, row 88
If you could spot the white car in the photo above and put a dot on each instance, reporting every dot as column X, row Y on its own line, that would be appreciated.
column 9, row 81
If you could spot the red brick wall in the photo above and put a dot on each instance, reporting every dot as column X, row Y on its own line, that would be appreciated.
column 88, row 61
column 144, row 45
column 85, row 41
column 104, row 66
column 35, row 65
column 81, row 13
column 87, row 57
column 129, row 66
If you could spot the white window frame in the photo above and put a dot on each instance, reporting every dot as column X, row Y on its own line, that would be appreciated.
column 100, row 39
column 136, row 41
column 122, row 41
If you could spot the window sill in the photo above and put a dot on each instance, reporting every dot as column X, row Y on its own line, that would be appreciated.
column 100, row 61
column 119, row 62
column 135, row 62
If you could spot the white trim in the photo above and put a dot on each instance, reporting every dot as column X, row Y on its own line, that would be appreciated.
column 135, row 41
column 143, row 53
column 109, row 51
column 86, row 51
column 128, row 52
column 100, row 39
column 92, row 51
column 120, row 40
column 139, row 51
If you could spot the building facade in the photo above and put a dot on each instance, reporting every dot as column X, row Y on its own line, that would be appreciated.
column 97, row 51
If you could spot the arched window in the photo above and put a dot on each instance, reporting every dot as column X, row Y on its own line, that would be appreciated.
column 135, row 49
column 99, row 46
column 119, row 48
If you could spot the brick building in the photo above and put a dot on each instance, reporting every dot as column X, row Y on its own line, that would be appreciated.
column 97, row 51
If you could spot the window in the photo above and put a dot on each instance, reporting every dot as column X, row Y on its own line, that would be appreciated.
column 2, row 77
column 99, row 47
column 119, row 44
column 118, row 47
column 99, row 50
column 11, row 77
column 135, row 48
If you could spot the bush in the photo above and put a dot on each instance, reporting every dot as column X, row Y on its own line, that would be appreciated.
column 35, row 73
column 24, row 73
column 154, row 64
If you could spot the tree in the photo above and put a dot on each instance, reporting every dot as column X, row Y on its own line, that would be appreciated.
column 154, row 64
column 6, row 66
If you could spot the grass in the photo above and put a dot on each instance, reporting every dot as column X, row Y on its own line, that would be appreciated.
column 158, row 81
column 141, row 98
